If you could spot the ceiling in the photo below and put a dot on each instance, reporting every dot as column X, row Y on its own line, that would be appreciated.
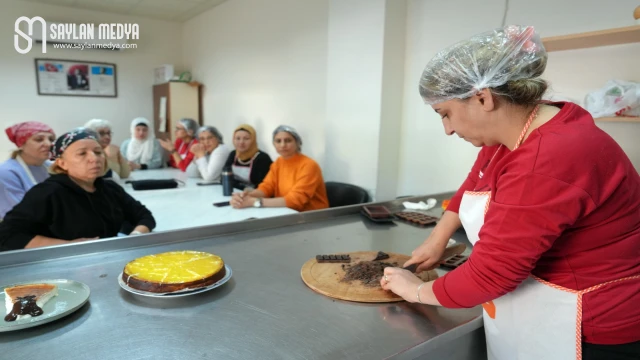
column 172, row 10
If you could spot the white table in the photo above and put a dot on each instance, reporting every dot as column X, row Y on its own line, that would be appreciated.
column 190, row 205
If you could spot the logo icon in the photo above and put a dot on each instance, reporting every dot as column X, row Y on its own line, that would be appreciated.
column 30, row 31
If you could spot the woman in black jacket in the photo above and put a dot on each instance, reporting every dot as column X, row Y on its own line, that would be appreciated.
column 248, row 164
column 75, row 204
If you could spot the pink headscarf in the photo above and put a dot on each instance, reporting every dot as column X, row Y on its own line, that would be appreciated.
column 20, row 133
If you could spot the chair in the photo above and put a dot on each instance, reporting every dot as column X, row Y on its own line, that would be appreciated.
column 341, row 194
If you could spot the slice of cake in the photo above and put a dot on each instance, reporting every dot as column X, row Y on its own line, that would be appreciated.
column 173, row 271
column 24, row 301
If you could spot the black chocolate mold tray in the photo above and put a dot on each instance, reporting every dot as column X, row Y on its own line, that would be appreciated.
column 416, row 218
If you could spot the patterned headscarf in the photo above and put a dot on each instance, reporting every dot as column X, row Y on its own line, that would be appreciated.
column 20, row 133
column 63, row 142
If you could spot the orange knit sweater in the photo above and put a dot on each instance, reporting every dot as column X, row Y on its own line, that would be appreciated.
column 299, row 181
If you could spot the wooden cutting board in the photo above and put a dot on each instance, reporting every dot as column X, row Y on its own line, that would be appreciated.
column 324, row 278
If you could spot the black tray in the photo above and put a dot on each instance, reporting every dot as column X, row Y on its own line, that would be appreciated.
column 385, row 220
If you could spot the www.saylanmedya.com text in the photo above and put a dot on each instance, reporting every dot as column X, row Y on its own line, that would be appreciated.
column 109, row 46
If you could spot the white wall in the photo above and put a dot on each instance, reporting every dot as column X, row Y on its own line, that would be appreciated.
column 316, row 65
column 159, row 43
column 354, row 88
column 432, row 162
column 262, row 63
column 364, row 93
column 392, row 99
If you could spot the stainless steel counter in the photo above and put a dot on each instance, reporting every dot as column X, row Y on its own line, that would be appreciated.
column 264, row 312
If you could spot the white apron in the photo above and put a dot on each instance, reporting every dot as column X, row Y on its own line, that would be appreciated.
column 26, row 170
column 538, row 320
column 184, row 155
column 242, row 173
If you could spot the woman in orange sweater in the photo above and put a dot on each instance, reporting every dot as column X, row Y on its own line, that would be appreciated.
column 294, row 180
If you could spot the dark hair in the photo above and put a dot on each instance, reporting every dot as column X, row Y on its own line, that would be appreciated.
column 523, row 91
column 141, row 124
column 526, row 91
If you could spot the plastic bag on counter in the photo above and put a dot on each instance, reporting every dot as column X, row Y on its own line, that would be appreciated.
column 616, row 98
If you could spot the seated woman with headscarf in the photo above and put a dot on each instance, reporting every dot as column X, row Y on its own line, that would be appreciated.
column 180, row 152
column 27, row 165
column 75, row 204
column 210, row 154
column 248, row 164
column 143, row 151
column 294, row 180
column 116, row 163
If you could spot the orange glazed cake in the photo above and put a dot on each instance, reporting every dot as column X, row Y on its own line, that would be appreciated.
column 173, row 271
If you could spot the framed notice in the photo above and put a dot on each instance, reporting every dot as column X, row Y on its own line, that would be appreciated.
column 76, row 78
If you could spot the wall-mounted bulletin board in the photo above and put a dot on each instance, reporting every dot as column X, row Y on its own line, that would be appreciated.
column 76, row 78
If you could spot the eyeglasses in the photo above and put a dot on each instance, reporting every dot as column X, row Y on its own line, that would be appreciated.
column 105, row 133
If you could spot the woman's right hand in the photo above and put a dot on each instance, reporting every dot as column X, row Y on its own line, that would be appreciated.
column 237, row 198
column 427, row 254
column 198, row 150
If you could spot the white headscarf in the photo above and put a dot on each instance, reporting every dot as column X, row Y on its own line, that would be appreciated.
column 141, row 149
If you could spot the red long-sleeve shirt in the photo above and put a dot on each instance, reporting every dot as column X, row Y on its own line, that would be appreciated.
column 183, row 149
column 565, row 206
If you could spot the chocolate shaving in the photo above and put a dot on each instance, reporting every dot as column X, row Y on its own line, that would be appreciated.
column 381, row 256
column 368, row 273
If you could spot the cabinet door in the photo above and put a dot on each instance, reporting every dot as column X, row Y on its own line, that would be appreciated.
column 185, row 101
column 160, row 91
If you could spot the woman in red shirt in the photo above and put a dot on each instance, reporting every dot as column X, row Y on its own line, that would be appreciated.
column 180, row 156
column 552, row 206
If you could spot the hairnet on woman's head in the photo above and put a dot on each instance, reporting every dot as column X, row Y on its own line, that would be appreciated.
column 486, row 60
column 290, row 130
column 213, row 132
column 190, row 125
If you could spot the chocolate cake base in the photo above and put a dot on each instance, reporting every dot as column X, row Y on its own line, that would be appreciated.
column 167, row 288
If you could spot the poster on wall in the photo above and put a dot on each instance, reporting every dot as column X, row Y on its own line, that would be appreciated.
column 76, row 78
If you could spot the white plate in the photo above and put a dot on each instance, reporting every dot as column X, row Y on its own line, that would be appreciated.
column 186, row 292
column 71, row 296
